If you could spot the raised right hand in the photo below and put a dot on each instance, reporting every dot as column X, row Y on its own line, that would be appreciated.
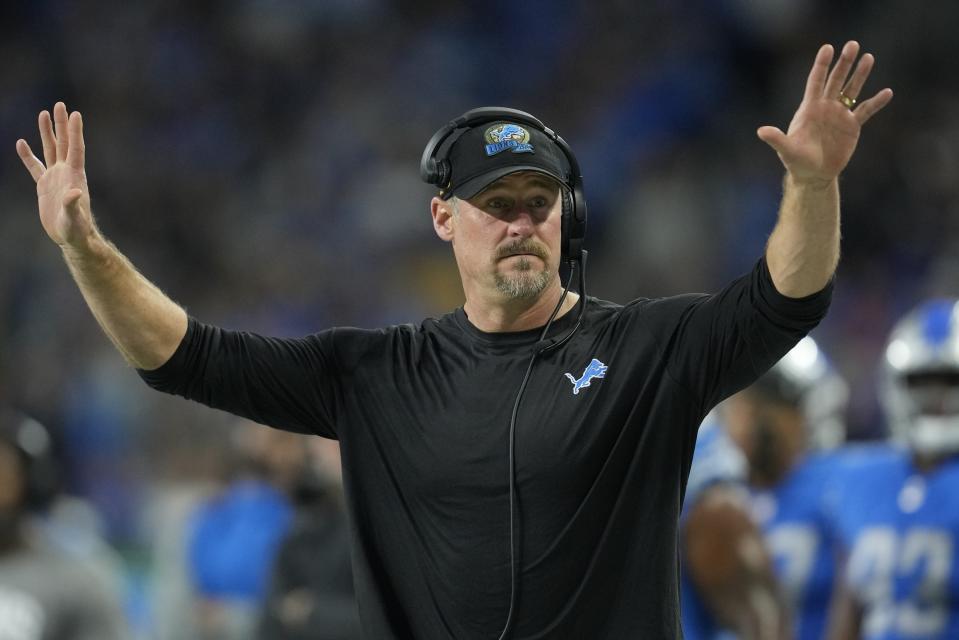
column 62, row 193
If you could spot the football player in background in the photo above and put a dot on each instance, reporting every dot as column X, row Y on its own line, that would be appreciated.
column 787, row 424
column 727, row 579
column 897, row 512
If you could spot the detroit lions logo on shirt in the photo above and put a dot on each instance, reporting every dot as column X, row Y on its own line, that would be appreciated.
column 595, row 369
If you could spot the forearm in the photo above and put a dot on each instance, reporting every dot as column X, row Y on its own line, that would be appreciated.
column 803, row 249
column 748, row 601
column 845, row 614
column 141, row 321
column 728, row 563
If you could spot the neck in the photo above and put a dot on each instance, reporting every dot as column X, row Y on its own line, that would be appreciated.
column 500, row 315
column 767, row 476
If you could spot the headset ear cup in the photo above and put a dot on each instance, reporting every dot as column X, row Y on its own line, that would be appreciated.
column 436, row 172
column 428, row 171
column 576, row 226
column 566, row 225
column 441, row 173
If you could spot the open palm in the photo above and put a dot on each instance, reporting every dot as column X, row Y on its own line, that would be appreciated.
column 824, row 132
column 62, row 193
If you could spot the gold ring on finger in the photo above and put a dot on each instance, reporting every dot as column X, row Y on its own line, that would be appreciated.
column 848, row 102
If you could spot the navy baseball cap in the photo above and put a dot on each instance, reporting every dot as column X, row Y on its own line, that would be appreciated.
column 486, row 153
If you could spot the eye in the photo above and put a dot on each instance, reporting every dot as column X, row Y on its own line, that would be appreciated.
column 538, row 202
column 498, row 203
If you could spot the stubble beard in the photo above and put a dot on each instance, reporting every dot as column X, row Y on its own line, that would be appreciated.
column 523, row 282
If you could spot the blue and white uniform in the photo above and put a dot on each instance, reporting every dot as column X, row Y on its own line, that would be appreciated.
column 900, row 529
column 796, row 520
column 794, row 516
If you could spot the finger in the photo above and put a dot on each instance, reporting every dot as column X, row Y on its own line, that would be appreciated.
column 858, row 78
column 30, row 161
column 77, row 152
column 837, row 77
column 774, row 137
column 48, row 139
column 817, row 75
column 872, row 106
column 60, row 127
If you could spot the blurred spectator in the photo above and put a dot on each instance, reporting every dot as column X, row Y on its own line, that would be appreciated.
column 233, row 537
column 46, row 593
column 311, row 595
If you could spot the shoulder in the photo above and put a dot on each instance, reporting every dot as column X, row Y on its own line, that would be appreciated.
column 658, row 316
column 716, row 461
column 860, row 457
column 818, row 480
column 852, row 468
column 740, row 297
column 665, row 307
column 429, row 340
column 858, row 473
column 834, row 462
column 351, row 343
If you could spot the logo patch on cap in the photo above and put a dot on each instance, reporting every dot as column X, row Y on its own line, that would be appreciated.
column 507, row 136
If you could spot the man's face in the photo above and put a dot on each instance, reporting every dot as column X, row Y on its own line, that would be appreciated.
column 507, row 238
column 770, row 434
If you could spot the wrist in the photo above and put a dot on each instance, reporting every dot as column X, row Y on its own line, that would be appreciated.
column 812, row 183
column 93, row 248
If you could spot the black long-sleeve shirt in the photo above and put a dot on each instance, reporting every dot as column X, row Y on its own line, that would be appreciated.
column 422, row 413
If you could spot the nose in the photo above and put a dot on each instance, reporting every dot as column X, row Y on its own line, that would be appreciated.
column 521, row 224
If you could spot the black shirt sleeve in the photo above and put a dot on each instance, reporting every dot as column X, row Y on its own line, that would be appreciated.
column 723, row 342
column 282, row 383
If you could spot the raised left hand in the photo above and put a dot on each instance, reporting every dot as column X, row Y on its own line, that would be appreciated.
column 824, row 131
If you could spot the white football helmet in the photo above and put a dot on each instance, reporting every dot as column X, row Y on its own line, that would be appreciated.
column 805, row 378
column 920, row 378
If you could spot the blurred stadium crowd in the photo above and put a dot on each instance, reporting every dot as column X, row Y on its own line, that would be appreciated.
column 259, row 161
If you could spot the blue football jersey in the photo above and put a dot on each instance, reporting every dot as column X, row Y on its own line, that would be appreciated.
column 716, row 460
column 900, row 530
column 796, row 519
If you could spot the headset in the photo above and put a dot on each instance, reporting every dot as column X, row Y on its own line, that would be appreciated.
column 435, row 168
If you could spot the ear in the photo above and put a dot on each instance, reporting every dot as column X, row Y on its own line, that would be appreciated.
column 442, row 214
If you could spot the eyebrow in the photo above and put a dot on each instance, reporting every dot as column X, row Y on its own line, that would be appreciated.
column 543, row 183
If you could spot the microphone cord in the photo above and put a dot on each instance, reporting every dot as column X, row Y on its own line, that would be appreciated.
column 514, row 515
